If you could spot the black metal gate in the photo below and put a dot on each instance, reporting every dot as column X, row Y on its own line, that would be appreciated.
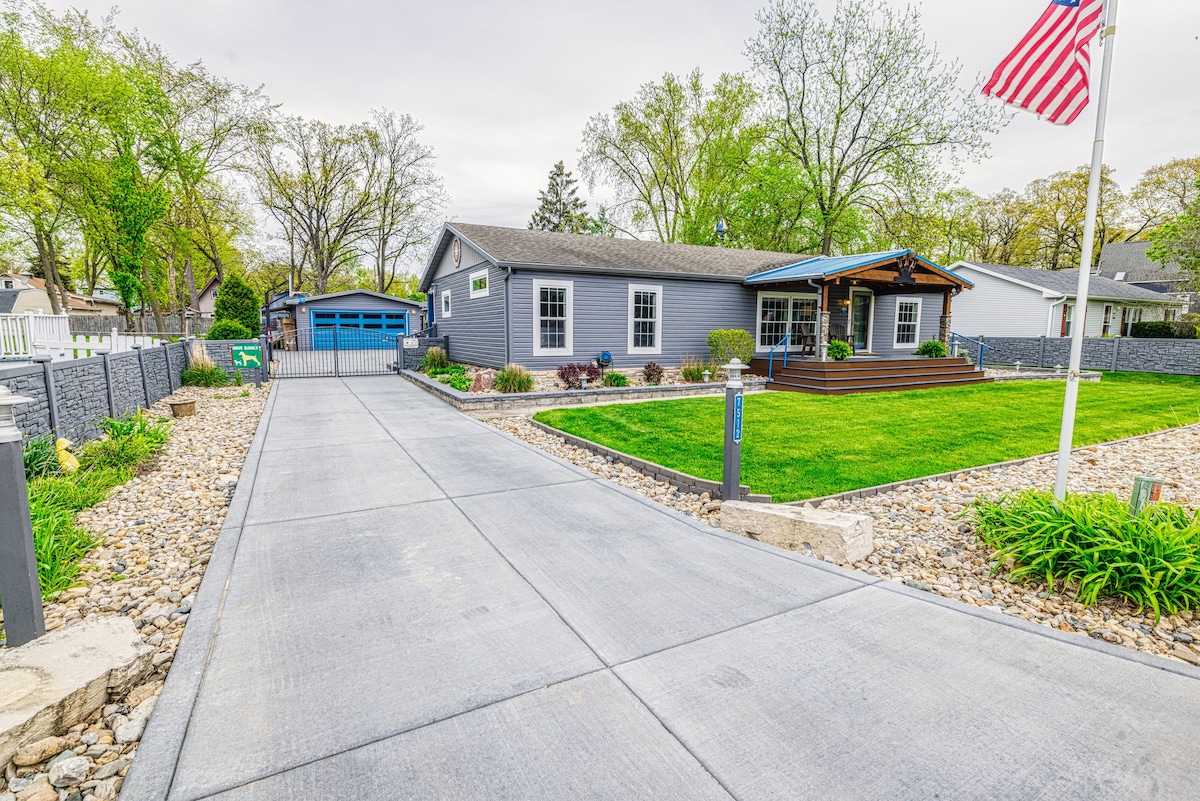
column 334, row 351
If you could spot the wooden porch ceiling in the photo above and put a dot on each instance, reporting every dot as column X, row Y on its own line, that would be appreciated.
column 905, row 271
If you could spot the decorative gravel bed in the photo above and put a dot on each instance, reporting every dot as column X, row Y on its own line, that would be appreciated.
column 921, row 541
column 157, row 533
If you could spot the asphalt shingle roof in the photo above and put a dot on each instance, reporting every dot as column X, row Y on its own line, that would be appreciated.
column 522, row 246
column 8, row 299
column 1064, row 282
column 1130, row 258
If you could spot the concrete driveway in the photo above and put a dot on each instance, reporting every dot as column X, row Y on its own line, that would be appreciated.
column 405, row 603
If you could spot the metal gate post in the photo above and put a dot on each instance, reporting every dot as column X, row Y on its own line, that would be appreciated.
column 337, row 372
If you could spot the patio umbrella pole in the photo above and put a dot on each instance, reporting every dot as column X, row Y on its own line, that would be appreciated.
column 1107, row 37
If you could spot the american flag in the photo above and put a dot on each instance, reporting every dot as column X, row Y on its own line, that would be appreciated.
column 1047, row 73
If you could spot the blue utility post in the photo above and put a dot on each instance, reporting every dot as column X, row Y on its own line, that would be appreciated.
column 731, row 482
column 19, row 586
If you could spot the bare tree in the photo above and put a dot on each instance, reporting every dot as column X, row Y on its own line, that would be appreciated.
column 408, row 201
column 862, row 100
column 319, row 182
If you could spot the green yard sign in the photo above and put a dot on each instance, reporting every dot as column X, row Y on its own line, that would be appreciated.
column 246, row 357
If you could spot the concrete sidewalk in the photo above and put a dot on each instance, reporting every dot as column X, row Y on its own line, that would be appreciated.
column 405, row 603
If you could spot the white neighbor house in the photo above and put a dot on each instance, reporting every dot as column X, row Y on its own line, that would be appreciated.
column 1022, row 302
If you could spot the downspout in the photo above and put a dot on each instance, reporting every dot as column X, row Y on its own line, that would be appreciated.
column 507, row 314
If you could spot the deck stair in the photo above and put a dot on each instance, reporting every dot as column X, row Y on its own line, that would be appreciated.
column 871, row 375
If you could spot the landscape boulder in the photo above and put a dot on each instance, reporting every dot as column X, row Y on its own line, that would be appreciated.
column 484, row 380
column 840, row 536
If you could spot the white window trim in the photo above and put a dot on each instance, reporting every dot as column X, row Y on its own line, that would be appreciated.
column 538, row 350
column 1106, row 319
column 896, row 344
column 870, row 316
column 758, row 325
column 479, row 293
column 447, row 305
column 658, row 314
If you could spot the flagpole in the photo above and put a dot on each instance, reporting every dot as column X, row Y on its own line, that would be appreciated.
column 1079, row 319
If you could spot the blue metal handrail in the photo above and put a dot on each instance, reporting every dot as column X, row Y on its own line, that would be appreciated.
column 983, row 346
column 771, row 356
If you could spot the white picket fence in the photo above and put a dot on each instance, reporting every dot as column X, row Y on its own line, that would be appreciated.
column 23, row 336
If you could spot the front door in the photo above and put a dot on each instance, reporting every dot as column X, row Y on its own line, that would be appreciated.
column 860, row 319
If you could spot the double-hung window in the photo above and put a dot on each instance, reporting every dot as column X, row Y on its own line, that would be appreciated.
column 908, row 322
column 552, row 318
column 446, row 304
column 645, row 319
column 780, row 315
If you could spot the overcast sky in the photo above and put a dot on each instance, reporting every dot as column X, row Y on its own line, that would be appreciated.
column 505, row 88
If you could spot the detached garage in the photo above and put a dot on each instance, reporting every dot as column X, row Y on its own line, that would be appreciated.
column 354, row 320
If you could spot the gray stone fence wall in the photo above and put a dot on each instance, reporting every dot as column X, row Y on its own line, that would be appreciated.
column 70, row 396
column 1176, row 356
column 412, row 356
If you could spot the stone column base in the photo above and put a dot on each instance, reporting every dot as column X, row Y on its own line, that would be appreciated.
column 944, row 329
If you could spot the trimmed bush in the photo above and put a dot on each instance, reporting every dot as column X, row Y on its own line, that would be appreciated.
column 1160, row 329
column 933, row 349
column 513, row 379
column 1151, row 559
column 228, row 329
column 653, row 373
column 237, row 302
column 615, row 380
column 726, row 343
column 573, row 374
column 434, row 359
column 839, row 351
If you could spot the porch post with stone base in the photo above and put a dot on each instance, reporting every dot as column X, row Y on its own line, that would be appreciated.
column 823, row 335
column 944, row 323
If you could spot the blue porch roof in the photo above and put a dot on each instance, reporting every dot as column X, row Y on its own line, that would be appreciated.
column 830, row 266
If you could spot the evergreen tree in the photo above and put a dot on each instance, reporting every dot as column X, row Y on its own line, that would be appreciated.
column 238, row 302
column 558, row 207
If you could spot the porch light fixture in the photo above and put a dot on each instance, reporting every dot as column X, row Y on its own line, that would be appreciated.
column 8, row 418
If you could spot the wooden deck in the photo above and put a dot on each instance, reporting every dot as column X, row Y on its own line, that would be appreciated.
column 867, row 374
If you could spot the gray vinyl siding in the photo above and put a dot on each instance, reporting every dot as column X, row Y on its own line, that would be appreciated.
column 471, row 257
column 884, row 334
column 475, row 325
column 689, row 311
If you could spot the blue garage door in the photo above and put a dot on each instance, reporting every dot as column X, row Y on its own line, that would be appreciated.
column 358, row 330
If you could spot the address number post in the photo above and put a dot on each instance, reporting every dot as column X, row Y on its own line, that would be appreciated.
column 731, row 481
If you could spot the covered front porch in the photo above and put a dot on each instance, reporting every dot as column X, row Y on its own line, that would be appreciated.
column 882, row 304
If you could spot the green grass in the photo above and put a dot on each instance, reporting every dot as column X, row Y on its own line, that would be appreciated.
column 800, row 446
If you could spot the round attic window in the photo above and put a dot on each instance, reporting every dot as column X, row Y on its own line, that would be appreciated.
column 456, row 251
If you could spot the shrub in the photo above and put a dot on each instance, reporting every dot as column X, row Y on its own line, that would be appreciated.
column 238, row 379
column 1151, row 559
column 59, row 546
column 453, row 369
column 653, row 373
column 228, row 329
column 1161, row 329
column 933, row 348
column 40, row 457
column 615, row 380
column 573, row 374
column 434, row 359
column 692, row 369
column 839, row 351
column 514, row 378
column 237, row 302
column 457, row 380
column 724, row 344
column 81, row 489
column 202, row 370
column 122, row 452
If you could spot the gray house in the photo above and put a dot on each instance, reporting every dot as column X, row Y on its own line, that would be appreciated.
column 542, row 299
column 363, row 320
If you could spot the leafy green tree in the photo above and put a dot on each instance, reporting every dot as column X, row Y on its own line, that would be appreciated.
column 1057, row 207
column 1178, row 242
column 236, row 301
column 862, row 102
column 134, row 205
column 559, row 209
column 673, row 154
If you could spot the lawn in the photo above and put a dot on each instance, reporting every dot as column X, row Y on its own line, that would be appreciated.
column 800, row 446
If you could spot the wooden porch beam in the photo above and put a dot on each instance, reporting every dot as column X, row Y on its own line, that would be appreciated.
column 946, row 295
column 888, row 277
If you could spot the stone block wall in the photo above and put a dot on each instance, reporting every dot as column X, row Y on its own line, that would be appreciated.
column 412, row 356
column 80, row 389
column 219, row 351
column 1174, row 356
